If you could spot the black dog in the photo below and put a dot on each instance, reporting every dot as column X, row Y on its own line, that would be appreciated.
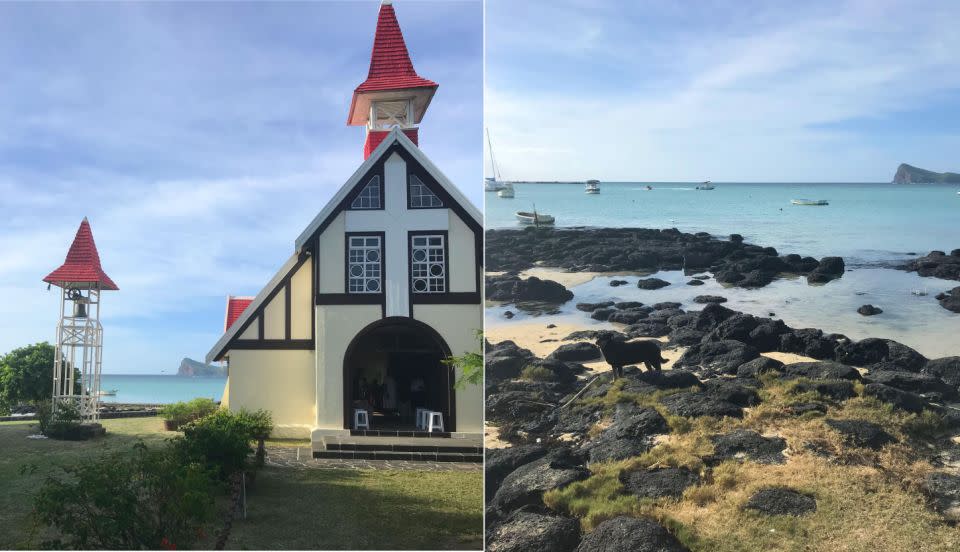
column 619, row 353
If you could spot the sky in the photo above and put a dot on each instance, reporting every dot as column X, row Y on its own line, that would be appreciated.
column 200, row 140
column 736, row 91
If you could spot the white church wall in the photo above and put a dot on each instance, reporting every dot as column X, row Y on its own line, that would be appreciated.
column 462, row 262
column 337, row 325
column 457, row 324
column 301, row 303
column 280, row 381
column 330, row 255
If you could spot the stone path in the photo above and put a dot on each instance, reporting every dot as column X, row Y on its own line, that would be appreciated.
column 286, row 457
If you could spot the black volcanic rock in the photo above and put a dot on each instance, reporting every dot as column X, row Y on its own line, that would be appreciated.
column 946, row 368
column 904, row 400
column 696, row 404
column 936, row 264
column 943, row 489
column 709, row 299
column 781, row 501
column 823, row 370
column 743, row 444
column 577, row 352
column 758, row 366
column 526, row 484
column 531, row 531
column 639, row 249
column 652, row 283
column 505, row 360
column 513, row 289
column 723, row 357
column 869, row 310
column 658, row 483
column 629, row 533
column 870, row 351
column 861, row 433
column 498, row 463
column 950, row 300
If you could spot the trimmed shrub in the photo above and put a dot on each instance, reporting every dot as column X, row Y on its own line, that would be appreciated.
column 221, row 440
column 180, row 413
column 145, row 500
column 64, row 423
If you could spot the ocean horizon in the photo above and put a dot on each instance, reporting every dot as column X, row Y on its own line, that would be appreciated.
column 160, row 388
column 873, row 226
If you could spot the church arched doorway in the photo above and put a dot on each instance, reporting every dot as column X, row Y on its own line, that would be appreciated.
column 391, row 368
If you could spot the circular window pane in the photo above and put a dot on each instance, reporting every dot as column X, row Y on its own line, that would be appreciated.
column 356, row 270
column 420, row 285
column 436, row 269
column 373, row 285
column 373, row 255
column 419, row 255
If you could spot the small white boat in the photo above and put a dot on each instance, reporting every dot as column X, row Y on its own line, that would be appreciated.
column 492, row 185
column 506, row 191
column 107, row 393
column 593, row 187
column 534, row 217
column 706, row 185
column 648, row 187
column 809, row 202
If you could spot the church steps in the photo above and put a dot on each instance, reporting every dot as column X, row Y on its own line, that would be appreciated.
column 394, row 455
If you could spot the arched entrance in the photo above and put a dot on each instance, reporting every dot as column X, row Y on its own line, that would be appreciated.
column 391, row 368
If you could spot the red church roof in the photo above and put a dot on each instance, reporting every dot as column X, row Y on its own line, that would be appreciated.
column 235, row 307
column 390, row 65
column 82, row 265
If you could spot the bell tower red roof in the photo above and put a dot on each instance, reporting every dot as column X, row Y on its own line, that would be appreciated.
column 82, row 265
column 391, row 69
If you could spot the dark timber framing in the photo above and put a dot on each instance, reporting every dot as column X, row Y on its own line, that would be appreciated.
column 413, row 166
column 258, row 316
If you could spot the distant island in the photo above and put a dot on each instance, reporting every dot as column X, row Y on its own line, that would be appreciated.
column 190, row 367
column 907, row 174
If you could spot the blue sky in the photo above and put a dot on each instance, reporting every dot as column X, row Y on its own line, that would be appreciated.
column 722, row 90
column 200, row 140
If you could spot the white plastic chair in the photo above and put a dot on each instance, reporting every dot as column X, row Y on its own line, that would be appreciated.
column 361, row 419
column 422, row 418
column 435, row 421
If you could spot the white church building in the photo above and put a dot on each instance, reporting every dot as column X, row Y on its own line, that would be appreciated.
column 381, row 287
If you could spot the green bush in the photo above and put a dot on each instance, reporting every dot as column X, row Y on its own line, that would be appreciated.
column 221, row 440
column 63, row 422
column 145, row 500
column 180, row 413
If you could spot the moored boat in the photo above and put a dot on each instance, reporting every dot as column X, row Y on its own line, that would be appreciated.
column 809, row 202
column 506, row 191
column 706, row 185
column 107, row 393
column 534, row 217
column 492, row 184
column 592, row 187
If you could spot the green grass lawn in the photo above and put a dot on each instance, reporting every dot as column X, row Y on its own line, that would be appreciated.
column 286, row 508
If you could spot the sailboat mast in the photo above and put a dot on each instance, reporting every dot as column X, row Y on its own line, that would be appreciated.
column 493, row 161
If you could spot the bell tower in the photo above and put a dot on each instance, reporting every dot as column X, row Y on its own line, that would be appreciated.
column 393, row 95
column 79, row 333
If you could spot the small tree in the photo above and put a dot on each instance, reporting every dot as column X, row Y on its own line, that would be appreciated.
column 470, row 365
column 25, row 374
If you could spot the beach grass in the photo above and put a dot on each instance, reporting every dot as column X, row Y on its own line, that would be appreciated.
column 287, row 508
column 866, row 500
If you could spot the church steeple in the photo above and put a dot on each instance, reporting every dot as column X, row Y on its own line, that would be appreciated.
column 393, row 95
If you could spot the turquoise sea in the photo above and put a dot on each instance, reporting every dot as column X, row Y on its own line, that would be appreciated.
column 159, row 389
column 870, row 225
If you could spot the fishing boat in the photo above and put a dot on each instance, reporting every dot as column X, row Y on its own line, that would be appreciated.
column 705, row 185
column 593, row 187
column 494, row 183
column 809, row 202
column 535, row 218
column 506, row 191
column 107, row 393
column 648, row 187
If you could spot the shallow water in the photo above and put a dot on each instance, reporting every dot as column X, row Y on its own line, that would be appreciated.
column 864, row 223
column 917, row 321
column 157, row 389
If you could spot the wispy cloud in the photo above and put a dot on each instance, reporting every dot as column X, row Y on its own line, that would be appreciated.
column 200, row 139
column 721, row 90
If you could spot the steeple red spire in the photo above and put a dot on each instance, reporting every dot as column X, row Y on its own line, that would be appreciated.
column 390, row 65
column 82, row 265
column 391, row 84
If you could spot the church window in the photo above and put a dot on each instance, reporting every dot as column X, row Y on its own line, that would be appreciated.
column 364, row 264
column 428, row 264
column 369, row 197
column 420, row 195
